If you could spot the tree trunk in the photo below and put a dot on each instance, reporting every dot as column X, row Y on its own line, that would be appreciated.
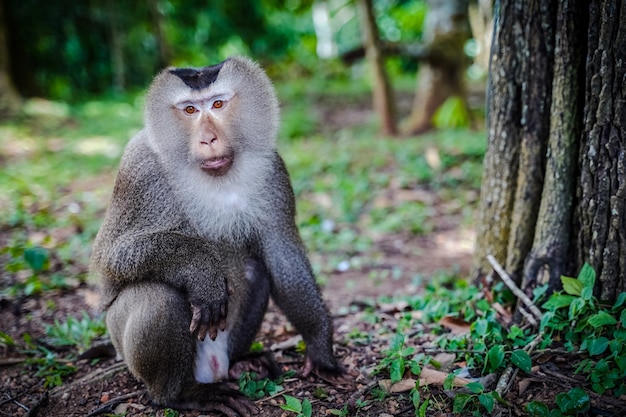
column 165, row 52
column 518, row 122
column 10, row 100
column 116, row 36
column 553, row 193
column 442, row 74
column 383, row 101
column 602, row 187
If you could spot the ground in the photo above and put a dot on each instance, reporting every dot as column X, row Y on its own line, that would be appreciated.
column 106, row 386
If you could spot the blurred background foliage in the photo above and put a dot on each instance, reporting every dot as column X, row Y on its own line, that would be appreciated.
column 68, row 50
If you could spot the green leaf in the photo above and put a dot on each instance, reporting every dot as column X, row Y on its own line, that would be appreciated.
column 598, row 346
column 621, row 298
column 396, row 370
column 521, row 359
column 537, row 408
column 587, row 276
column 460, row 401
column 36, row 258
column 448, row 382
column 291, row 404
column 487, row 401
column 575, row 400
column 6, row 340
column 475, row 387
column 557, row 301
column 423, row 408
column 572, row 286
column 495, row 356
column 307, row 410
column 602, row 318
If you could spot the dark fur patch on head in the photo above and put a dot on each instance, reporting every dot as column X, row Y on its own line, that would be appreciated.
column 198, row 78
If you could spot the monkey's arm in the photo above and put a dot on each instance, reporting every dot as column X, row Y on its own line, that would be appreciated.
column 293, row 285
column 186, row 263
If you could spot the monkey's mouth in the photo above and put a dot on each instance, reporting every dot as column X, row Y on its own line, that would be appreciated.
column 217, row 166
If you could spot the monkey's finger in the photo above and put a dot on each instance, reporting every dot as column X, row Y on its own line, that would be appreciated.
column 223, row 324
column 196, row 315
column 213, row 332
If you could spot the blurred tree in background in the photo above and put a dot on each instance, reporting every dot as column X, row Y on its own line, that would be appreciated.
column 67, row 49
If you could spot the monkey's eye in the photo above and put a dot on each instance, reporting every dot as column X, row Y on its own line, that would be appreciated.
column 190, row 109
column 218, row 104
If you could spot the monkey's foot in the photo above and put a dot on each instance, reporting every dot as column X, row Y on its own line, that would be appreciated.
column 263, row 364
column 216, row 397
column 336, row 375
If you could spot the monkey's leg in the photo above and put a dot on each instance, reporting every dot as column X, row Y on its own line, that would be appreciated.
column 246, row 327
column 149, row 326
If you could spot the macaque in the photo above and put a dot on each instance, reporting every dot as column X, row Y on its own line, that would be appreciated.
column 199, row 233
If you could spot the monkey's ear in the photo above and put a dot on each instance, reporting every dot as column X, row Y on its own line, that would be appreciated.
column 198, row 78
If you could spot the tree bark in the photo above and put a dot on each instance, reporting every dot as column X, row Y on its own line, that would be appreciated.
column 382, row 98
column 602, row 188
column 10, row 100
column 518, row 123
column 548, row 258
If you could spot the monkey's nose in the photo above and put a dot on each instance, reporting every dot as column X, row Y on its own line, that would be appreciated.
column 209, row 142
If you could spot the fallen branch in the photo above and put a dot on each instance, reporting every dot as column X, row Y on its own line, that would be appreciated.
column 508, row 281
column 109, row 405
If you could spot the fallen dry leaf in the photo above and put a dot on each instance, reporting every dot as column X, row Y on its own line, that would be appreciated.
column 456, row 326
column 403, row 386
column 435, row 377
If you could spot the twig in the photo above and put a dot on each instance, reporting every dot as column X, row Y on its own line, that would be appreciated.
column 527, row 316
column 508, row 281
column 108, row 406
column 11, row 361
column 533, row 317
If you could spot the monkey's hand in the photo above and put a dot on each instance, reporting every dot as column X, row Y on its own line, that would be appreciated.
column 208, row 317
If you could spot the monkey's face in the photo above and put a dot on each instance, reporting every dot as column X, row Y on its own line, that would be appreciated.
column 210, row 117
column 207, row 120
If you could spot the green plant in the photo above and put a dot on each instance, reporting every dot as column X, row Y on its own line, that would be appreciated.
column 420, row 406
column 398, row 359
column 476, row 401
column 574, row 402
column 586, row 325
column 301, row 408
column 75, row 332
column 168, row 412
column 49, row 366
column 254, row 388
